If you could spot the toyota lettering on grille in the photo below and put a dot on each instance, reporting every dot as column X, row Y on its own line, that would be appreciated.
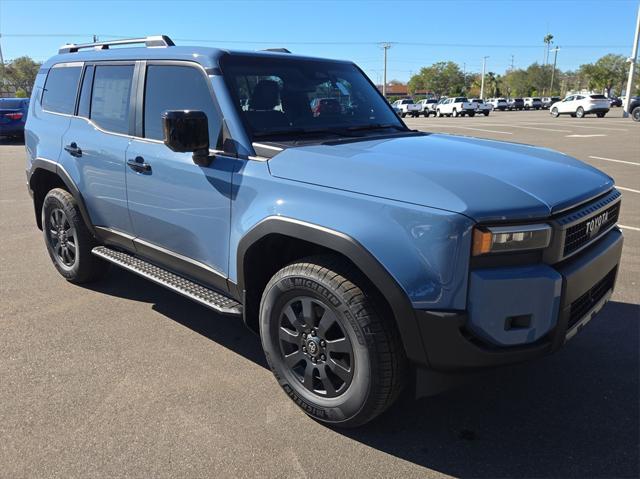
column 593, row 226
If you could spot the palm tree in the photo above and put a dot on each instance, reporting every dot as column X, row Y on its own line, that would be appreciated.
column 548, row 40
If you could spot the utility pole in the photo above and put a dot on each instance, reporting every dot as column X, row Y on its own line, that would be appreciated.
column 484, row 63
column 385, row 47
column 1, row 58
column 95, row 38
column 632, row 67
column 512, row 62
column 553, row 72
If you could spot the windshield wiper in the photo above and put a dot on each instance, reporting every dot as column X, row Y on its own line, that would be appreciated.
column 303, row 131
column 376, row 126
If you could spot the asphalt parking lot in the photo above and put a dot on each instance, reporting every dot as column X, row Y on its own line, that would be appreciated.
column 124, row 378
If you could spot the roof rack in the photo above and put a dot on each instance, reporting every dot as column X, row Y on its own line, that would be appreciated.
column 277, row 50
column 152, row 41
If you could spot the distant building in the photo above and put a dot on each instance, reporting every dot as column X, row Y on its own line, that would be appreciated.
column 401, row 89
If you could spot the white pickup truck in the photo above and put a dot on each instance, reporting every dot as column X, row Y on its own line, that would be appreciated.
column 407, row 107
column 481, row 106
column 427, row 107
column 456, row 106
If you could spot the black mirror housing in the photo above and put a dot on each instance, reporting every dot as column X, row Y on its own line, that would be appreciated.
column 187, row 131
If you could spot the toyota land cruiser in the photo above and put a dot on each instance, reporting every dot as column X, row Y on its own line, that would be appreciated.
column 362, row 252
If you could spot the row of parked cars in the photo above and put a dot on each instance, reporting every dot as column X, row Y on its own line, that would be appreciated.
column 453, row 106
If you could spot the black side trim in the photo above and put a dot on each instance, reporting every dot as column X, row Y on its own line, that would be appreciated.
column 40, row 164
column 358, row 255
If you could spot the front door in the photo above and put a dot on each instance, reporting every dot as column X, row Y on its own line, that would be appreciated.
column 179, row 210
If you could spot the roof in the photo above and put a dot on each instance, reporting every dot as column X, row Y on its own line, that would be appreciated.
column 208, row 57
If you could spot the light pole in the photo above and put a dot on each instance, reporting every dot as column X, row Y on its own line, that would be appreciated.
column 385, row 47
column 484, row 64
column 632, row 67
column 553, row 72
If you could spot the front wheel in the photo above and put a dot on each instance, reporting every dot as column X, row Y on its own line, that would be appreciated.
column 472, row 114
column 580, row 112
column 438, row 114
column 68, row 240
column 635, row 114
column 555, row 113
column 486, row 113
column 454, row 113
column 600, row 115
column 330, row 344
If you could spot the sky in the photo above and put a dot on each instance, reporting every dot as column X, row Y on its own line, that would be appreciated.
column 420, row 32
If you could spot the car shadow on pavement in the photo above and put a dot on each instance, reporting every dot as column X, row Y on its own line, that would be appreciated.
column 572, row 414
column 7, row 140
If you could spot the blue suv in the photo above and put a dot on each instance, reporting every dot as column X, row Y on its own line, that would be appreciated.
column 363, row 253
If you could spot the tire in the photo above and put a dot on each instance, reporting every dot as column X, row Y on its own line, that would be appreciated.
column 472, row 114
column 580, row 112
column 600, row 115
column 326, row 287
column 438, row 114
column 635, row 114
column 68, row 240
column 486, row 113
column 454, row 113
column 403, row 114
column 555, row 113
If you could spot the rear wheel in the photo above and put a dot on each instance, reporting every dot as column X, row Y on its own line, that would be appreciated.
column 68, row 240
column 472, row 113
column 454, row 113
column 486, row 113
column 635, row 114
column 555, row 113
column 600, row 115
column 580, row 112
column 329, row 344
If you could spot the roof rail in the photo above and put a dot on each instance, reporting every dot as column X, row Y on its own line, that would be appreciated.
column 152, row 41
column 277, row 50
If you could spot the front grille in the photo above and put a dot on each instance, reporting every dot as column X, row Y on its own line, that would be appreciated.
column 577, row 235
column 588, row 300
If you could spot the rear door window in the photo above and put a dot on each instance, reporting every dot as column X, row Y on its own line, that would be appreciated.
column 111, row 97
column 60, row 89
column 170, row 87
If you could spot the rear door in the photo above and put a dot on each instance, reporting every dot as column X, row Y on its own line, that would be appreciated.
column 180, row 211
column 94, row 146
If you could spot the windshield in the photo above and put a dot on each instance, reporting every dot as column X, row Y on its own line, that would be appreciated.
column 277, row 96
column 10, row 103
column 598, row 97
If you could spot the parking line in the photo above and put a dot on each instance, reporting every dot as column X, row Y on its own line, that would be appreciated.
column 571, row 125
column 584, row 136
column 632, row 228
column 627, row 189
column 616, row 161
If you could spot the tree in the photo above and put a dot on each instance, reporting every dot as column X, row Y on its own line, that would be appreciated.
column 20, row 74
column 548, row 40
column 609, row 71
column 442, row 78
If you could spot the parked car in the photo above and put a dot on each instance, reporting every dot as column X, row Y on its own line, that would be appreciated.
column 363, row 253
column 427, row 106
column 455, row 106
column 13, row 115
column 532, row 103
column 516, row 104
column 481, row 107
column 499, row 104
column 634, row 108
column 580, row 105
column 407, row 107
column 547, row 101
column 615, row 101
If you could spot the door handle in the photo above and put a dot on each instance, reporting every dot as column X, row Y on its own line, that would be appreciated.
column 73, row 150
column 138, row 164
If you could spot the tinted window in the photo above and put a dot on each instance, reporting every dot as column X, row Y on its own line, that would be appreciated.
column 110, row 97
column 162, row 94
column 60, row 89
column 461, row 99
column 85, row 92
column 598, row 97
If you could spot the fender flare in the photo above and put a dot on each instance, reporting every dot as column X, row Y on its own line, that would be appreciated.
column 349, row 247
column 51, row 166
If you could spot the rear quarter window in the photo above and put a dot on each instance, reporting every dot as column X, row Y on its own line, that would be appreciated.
column 60, row 89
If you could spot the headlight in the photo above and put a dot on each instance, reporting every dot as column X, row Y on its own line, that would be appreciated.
column 499, row 239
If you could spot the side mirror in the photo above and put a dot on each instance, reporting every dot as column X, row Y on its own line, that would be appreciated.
column 187, row 131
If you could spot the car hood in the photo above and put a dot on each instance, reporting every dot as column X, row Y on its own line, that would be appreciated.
column 485, row 180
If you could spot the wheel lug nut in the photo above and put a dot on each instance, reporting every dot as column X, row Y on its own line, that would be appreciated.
column 323, row 357
column 304, row 335
column 313, row 333
column 323, row 343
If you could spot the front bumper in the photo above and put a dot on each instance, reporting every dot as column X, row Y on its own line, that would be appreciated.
column 547, row 311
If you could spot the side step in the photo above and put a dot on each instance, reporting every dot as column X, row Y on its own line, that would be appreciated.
column 208, row 297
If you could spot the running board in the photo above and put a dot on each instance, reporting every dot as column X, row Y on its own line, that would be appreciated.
column 205, row 296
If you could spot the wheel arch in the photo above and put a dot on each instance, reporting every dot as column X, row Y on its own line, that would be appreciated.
column 305, row 239
column 46, row 175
